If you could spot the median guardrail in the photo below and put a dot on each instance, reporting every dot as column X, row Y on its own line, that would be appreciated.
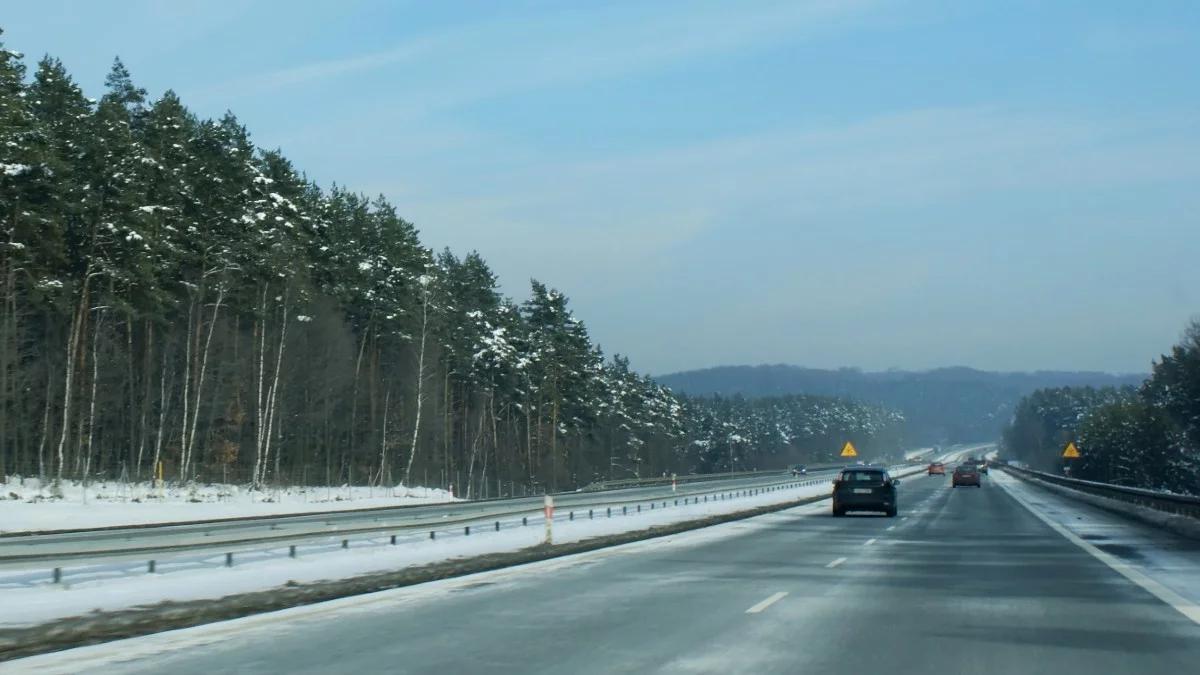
column 652, row 481
column 1184, row 505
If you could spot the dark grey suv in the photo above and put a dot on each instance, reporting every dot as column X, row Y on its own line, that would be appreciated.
column 864, row 488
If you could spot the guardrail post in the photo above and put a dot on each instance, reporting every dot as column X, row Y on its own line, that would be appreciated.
column 589, row 514
column 524, row 520
column 624, row 510
column 432, row 534
column 467, row 531
column 229, row 560
column 610, row 512
column 651, row 506
column 150, row 567
column 639, row 508
column 292, row 548
column 497, row 526
column 393, row 542
column 56, row 575
column 345, row 543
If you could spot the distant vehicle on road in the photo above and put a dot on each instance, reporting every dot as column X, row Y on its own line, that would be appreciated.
column 937, row 469
column 966, row 474
column 983, row 466
column 864, row 488
column 799, row 470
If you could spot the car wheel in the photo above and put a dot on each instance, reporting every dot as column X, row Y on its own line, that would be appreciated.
column 838, row 513
column 891, row 513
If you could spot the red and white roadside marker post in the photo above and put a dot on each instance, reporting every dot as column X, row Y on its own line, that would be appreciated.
column 548, row 508
column 672, row 482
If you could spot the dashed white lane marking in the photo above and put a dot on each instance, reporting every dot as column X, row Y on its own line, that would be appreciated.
column 891, row 527
column 903, row 517
column 835, row 563
column 1181, row 604
column 870, row 541
column 766, row 603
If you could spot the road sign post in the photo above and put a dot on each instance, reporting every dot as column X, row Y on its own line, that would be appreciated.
column 1070, row 452
column 548, row 508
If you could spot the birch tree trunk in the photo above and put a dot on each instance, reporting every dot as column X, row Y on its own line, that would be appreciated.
column 412, row 451
column 186, row 387
column 272, row 393
column 163, row 407
column 190, row 433
column 387, row 398
column 260, row 403
column 69, row 375
column 91, row 425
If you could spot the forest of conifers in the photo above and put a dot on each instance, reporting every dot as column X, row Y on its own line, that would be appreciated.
column 174, row 296
column 1148, row 436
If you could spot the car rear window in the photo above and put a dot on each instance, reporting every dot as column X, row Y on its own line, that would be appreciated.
column 862, row 476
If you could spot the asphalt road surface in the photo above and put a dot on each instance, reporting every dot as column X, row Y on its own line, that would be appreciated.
column 966, row 580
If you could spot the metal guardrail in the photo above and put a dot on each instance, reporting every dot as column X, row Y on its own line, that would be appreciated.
column 275, row 530
column 1166, row 502
column 698, row 477
column 98, row 564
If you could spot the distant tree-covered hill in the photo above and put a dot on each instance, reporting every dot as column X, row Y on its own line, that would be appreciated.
column 944, row 405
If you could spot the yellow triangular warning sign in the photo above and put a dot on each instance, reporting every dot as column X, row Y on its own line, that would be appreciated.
column 1071, row 451
column 848, row 450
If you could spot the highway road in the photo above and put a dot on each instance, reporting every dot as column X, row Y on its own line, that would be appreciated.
column 965, row 581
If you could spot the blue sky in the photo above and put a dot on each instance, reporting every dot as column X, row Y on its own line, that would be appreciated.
column 876, row 183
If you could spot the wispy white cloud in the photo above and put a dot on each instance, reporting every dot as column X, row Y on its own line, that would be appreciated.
column 846, row 190
column 472, row 62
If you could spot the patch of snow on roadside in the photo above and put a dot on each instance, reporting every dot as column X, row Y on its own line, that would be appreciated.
column 28, row 504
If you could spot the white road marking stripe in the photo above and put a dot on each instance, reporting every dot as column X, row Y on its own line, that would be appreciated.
column 1181, row 604
column 766, row 603
column 835, row 563
column 869, row 542
column 891, row 527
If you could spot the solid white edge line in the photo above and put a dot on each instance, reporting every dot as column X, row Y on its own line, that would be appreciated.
column 1179, row 603
column 869, row 541
column 835, row 563
column 766, row 603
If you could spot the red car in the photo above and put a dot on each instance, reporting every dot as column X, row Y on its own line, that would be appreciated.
column 937, row 469
column 966, row 474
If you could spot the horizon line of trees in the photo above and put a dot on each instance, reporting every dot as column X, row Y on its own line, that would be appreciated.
column 173, row 296
column 1147, row 436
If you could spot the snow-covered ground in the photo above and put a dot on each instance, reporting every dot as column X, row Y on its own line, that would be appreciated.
column 27, row 504
column 919, row 452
